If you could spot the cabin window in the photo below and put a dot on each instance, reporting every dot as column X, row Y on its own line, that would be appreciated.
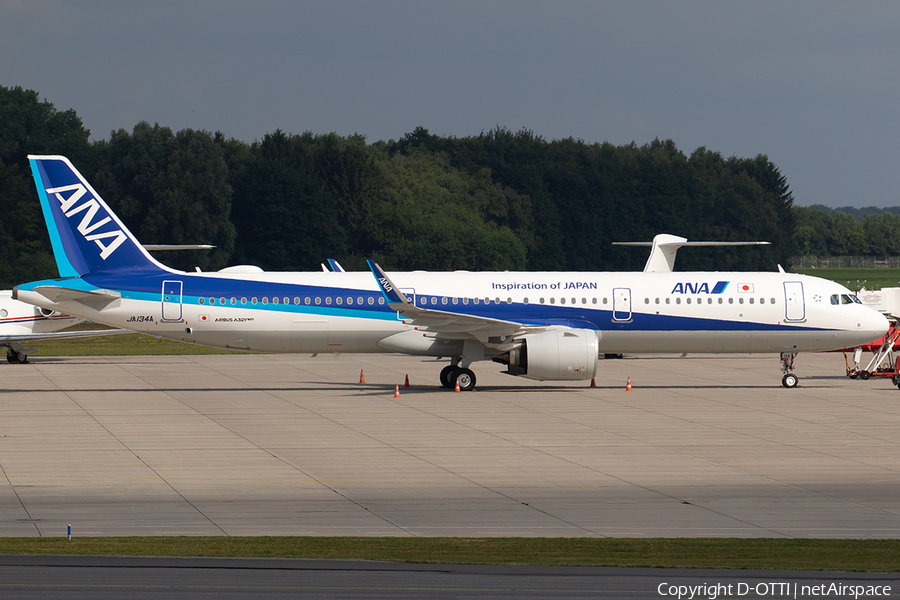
column 677, row 300
column 274, row 299
column 562, row 300
column 541, row 300
column 720, row 301
column 584, row 300
column 740, row 300
column 455, row 301
column 509, row 300
column 213, row 300
column 306, row 301
column 573, row 300
column 349, row 301
column 265, row 300
column 243, row 301
column 286, row 300
column 252, row 300
column 656, row 301
column 668, row 300
column 199, row 300
column 604, row 301
column 465, row 301
column 552, row 300
column 773, row 301
column 688, row 300
column 646, row 300
column 525, row 300
column 296, row 300
column 381, row 300
column 339, row 300
column 444, row 300
column 233, row 301
column 731, row 301
column 593, row 301
column 222, row 301
column 328, row 300
column 475, row 301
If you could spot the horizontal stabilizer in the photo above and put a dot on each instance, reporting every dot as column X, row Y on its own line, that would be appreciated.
column 664, row 247
column 96, row 299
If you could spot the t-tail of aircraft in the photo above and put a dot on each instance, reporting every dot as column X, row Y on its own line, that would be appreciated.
column 86, row 235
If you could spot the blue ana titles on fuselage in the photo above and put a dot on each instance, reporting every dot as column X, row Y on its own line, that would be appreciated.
column 699, row 288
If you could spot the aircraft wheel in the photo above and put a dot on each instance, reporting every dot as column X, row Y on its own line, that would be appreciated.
column 864, row 374
column 465, row 378
column 445, row 376
column 790, row 380
column 12, row 357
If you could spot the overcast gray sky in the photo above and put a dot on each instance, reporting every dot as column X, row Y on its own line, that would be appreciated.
column 815, row 85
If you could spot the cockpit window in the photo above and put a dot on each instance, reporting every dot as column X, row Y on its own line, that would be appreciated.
column 845, row 299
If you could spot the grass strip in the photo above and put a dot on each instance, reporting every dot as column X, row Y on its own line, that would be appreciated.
column 125, row 344
column 711, row 553
column 872, row 278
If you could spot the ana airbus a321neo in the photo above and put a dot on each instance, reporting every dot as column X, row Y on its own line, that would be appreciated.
column 540, row 325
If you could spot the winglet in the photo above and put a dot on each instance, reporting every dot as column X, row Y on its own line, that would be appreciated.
column 390, row 291
column 335, row 266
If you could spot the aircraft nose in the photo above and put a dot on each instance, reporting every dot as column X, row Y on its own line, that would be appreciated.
column 875, row 322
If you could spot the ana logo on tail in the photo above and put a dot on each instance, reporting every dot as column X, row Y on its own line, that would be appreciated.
column 87, row 225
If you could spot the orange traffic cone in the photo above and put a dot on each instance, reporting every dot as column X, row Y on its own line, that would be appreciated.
column 406, row 383
column 362, row 378
column 594, row 382
column 628, row 385
column 396, row 390
column 457, row 386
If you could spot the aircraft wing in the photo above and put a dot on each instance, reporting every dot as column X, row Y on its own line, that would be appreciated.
column 36, row 337
column 447, row 325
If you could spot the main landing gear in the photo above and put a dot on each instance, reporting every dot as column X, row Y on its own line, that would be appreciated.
column 453, row 374
column 787, row 367
column 14, row 358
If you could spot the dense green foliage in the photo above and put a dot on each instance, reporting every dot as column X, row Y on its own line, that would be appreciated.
column 499, row 200
column 837, row 233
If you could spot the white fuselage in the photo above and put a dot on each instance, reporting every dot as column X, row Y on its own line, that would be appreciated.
column 346, row 312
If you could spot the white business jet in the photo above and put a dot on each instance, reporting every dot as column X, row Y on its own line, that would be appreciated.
column 22, row 323
column 547, row 326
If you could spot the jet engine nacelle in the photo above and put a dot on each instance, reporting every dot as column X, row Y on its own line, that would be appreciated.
column 557, row 355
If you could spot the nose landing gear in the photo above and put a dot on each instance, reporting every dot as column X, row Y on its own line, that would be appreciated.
column 789, row 380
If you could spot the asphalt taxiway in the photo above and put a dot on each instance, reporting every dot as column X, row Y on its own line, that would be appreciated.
column 294, row 445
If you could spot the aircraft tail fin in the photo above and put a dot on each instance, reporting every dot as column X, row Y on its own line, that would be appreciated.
column 87, row 237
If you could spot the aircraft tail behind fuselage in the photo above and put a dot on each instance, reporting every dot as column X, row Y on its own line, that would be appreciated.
column 86, row 235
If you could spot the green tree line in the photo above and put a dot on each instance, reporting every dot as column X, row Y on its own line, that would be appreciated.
column 837, row 233
column 501, row 200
